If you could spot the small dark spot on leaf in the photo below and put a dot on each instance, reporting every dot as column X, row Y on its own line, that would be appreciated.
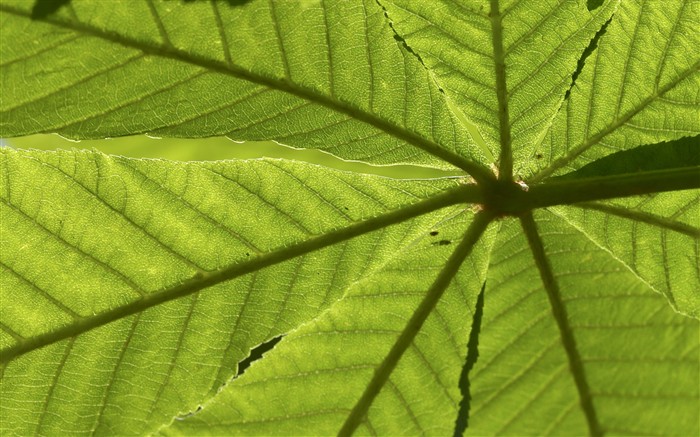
column 232, row 3
column 247, row 254
column 44, row 8
column 538, row 156
column 346, row 208
column 433, row 233
column 441, row 243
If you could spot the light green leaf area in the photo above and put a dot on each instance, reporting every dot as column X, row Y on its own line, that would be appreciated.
column 100, row 317
column 324, row 75
column 537, row 47
column 655, row 236
column 547, row 285
column 664, row 247
column 638, row 360
column 316, row 372
column 639, row 86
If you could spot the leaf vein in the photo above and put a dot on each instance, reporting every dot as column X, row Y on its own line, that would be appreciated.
column 91, row 257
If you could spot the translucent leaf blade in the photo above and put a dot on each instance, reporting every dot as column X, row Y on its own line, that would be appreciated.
column 661, row 249
column 638, row 87
column 655, row 236
column 639, row 358
column 115, row 306
column 291, row 394
column 317, row 74
column 541, row 44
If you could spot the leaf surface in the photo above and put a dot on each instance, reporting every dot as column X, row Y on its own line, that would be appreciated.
column 638, row 358
column 634, row 89
column 291, row 396
column 99, row 309
column 132, row 289
column 280, row 72
column 655, row 226
column 535, row 45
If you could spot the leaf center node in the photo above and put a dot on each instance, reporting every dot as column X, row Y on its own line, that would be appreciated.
column 506, row 198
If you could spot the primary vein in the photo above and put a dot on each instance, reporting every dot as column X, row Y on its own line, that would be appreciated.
column 560, row 315
column 203, row 280
column 506, row 158
column 570, row 191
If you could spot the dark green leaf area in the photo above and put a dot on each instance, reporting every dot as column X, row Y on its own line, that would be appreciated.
column 680, row 153
column 44, row 8
column 593, row 4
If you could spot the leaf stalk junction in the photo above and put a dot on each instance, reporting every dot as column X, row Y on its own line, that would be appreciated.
column 506, row 198
column 503, row 198
column 494, row 197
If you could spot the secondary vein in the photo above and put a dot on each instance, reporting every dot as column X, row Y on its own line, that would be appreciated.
column 641, row 216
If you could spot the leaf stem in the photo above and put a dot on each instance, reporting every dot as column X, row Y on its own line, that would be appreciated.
column 506, row 158
column 560, row 315
column 568, row 191
column 461, row 194
column 427, row 305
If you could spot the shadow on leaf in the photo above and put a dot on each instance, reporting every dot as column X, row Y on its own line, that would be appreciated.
column 680, row 153
column 231, row 3
column 472, row 355
column 44, row 8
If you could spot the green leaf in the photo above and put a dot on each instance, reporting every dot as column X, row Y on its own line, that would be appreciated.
column 637, row 359
column 134, row 292
column 634, row 89
column 636, row 222
column 531, row 46
column 307, row 362
column 96, row 312
column 280, row 71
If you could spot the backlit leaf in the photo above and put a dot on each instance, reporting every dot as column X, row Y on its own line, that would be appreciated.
column 276, row 296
